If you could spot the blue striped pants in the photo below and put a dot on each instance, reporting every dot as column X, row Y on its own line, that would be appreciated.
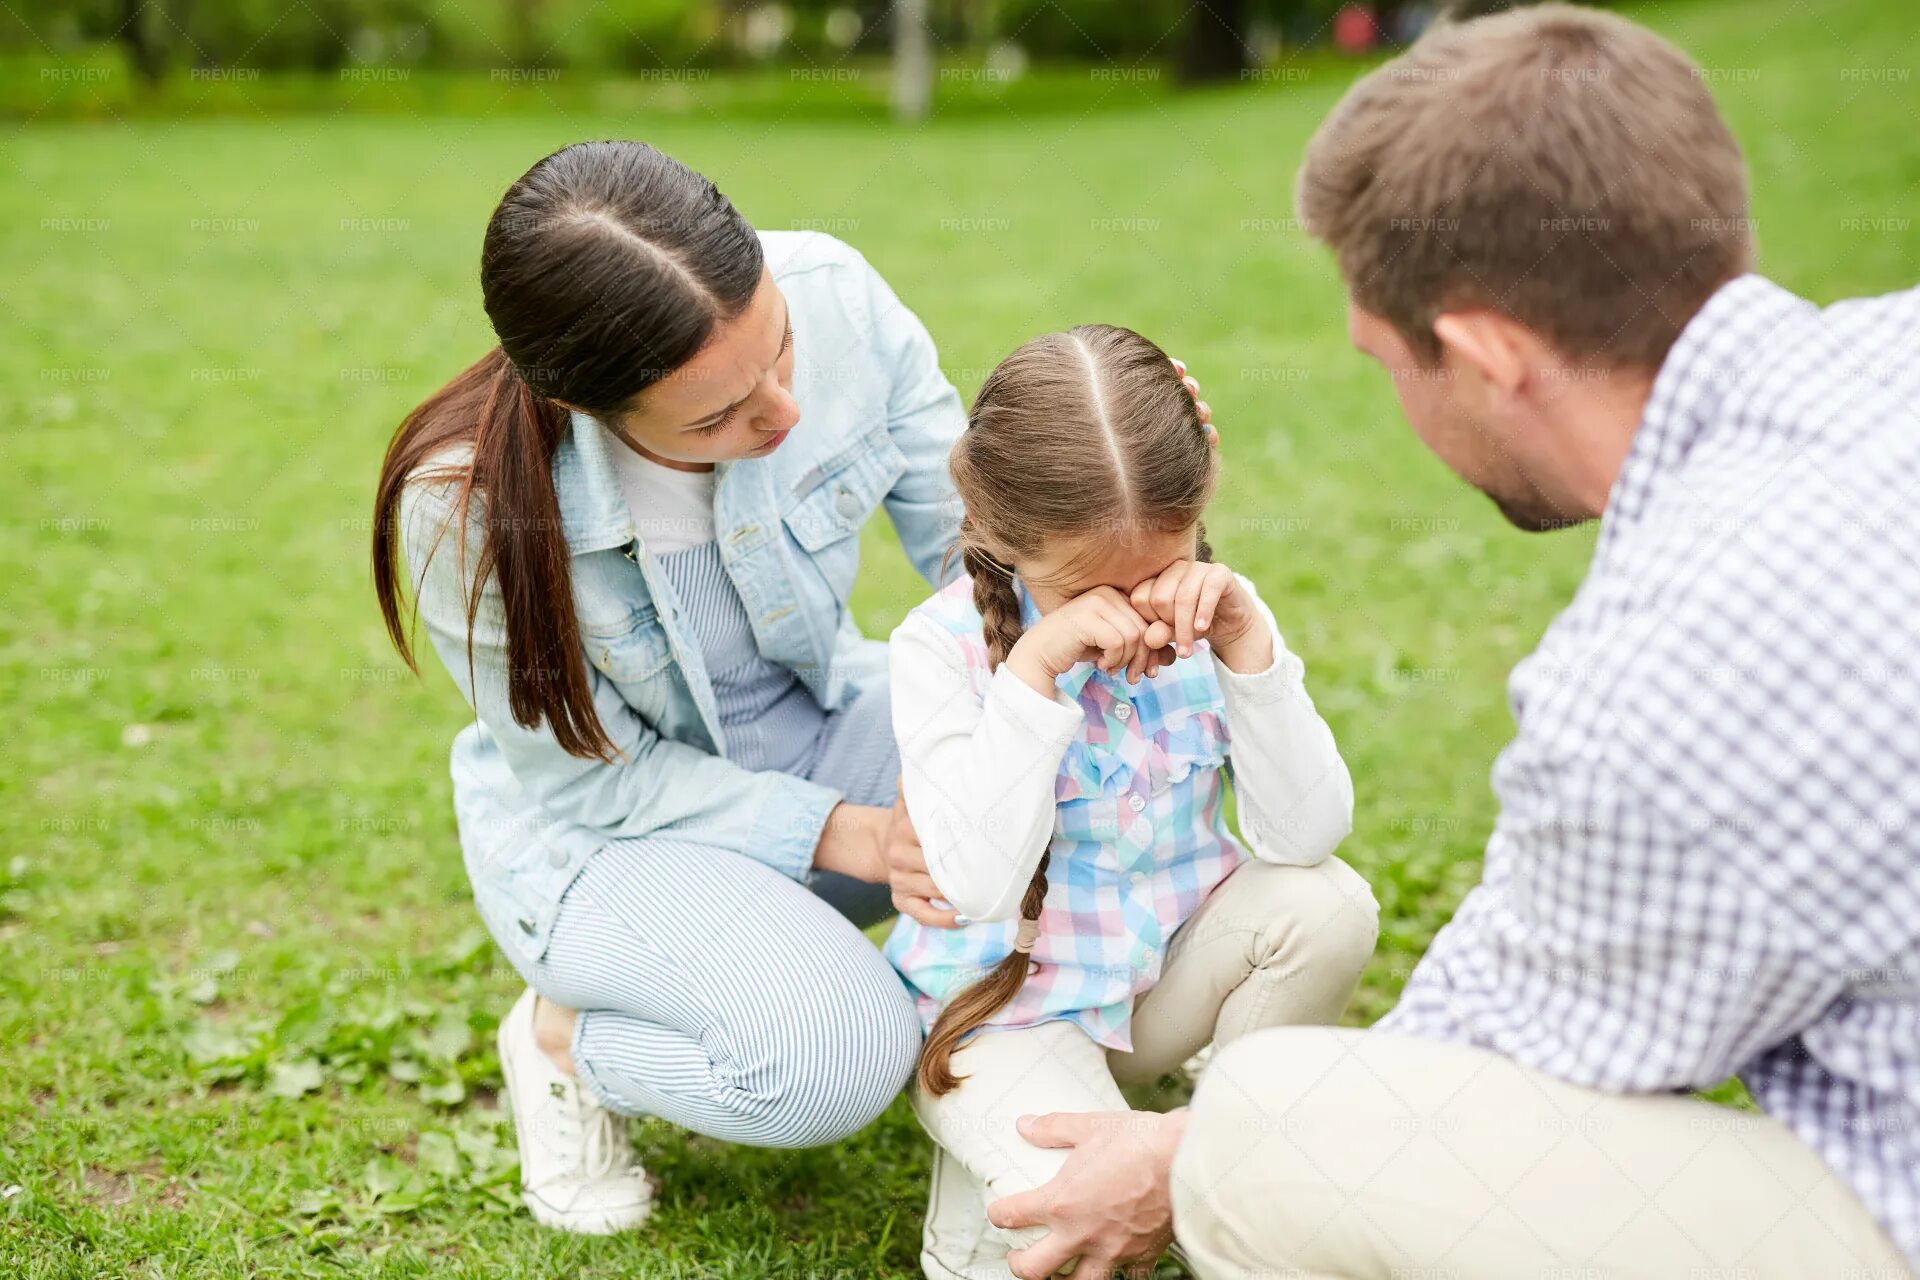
column 720, row 995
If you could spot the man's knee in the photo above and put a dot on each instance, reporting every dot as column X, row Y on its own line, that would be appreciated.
column 1245, row 1156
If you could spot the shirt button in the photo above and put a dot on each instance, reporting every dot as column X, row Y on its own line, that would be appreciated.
column 526, row 926
column 1136, row 802
column 1122, row 711
column 1138, row 878
column 847, row 504
column 1148, row 956
column 555, row 858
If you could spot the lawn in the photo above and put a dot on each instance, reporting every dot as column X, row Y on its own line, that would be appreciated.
column 245, row 1004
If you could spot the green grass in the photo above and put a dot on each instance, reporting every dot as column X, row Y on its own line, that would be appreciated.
column 245, row 1014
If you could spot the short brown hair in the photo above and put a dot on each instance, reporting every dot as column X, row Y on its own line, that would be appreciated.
column 1560, row 165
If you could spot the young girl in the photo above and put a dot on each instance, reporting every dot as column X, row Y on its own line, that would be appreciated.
column 1063, row 713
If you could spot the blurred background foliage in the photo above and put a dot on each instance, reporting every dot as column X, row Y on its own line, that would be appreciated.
column 93, row 45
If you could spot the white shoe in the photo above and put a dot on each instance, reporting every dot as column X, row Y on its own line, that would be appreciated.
column 957, row 1241
column 577, row 1171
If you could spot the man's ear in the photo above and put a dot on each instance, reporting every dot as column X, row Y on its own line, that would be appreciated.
column 1492, row 345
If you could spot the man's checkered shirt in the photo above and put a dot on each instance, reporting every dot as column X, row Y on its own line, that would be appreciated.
column 1707, row 859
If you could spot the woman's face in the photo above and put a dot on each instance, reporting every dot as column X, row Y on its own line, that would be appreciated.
column 734, row 399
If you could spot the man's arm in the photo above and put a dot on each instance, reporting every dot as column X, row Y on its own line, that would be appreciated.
column 1623, row 945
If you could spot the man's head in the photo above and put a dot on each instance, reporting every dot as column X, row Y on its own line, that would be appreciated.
column 1527, row 209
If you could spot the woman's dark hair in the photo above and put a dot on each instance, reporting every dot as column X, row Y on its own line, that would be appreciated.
column 606, row 267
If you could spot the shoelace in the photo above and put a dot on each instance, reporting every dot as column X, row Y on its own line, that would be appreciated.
column 600, row 1137
column 601, row 1145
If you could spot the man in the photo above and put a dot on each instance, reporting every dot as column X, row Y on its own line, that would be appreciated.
column 1707, row 857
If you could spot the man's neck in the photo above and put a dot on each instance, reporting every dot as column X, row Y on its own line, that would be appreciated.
column 1597, row 420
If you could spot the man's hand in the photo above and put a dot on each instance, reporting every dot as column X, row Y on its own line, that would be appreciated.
column 1109, row 1205
column 913, row 889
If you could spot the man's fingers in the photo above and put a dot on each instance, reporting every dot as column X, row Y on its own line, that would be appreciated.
column 1038, row 1261
column 1021, row 1209
column 1056, row 1128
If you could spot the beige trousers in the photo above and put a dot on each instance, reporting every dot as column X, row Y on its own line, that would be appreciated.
column 1315, row 1153
column 1271, row 946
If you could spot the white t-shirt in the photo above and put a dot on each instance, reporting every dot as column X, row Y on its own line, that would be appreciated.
column 672, row 509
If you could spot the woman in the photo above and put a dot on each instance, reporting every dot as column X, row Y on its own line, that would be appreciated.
column 630, row 531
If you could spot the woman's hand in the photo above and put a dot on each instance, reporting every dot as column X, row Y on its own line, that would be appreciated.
column 1198, row 599
column 1192, row 385
column 1098, row 627
column 854, row 842
column 913, row 887
column 879, row 846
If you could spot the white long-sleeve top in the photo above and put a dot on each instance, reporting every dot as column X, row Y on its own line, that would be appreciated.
column 979, row 775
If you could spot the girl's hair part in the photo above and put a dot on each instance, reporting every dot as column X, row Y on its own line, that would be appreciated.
column 1087, row 433
column 607, row 266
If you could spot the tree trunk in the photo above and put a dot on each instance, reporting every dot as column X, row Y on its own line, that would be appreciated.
column 1215, row 46
column 140, row 22
column 912, row 61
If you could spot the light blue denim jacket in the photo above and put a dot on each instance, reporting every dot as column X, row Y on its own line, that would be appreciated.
column 877, row 420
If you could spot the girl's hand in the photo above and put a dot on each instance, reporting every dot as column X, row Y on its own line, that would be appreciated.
column 1202, row 600
column 1098, row 627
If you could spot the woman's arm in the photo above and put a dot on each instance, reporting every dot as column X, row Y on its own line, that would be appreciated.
column 978, row 776
column 656, row 784
column 1295, row 796
column 924, row 418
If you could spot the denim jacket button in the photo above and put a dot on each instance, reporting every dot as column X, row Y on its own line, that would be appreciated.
column 848, row 504
column 526, row 925
column 555, row 858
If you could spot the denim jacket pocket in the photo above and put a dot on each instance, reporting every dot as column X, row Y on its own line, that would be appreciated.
column 629, row 651
column 852, row 484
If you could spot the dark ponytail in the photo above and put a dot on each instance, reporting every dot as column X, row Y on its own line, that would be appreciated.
column 605, row 267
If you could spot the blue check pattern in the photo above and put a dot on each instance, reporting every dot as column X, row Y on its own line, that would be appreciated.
column 1139, row 840
column 1707, row 858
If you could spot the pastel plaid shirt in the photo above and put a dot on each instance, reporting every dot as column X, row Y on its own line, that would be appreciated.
column 1707, row 857
column 1122, row 784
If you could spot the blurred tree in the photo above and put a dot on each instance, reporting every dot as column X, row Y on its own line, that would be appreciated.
column 1214, row 45
column 912, row 60
column 142, row 32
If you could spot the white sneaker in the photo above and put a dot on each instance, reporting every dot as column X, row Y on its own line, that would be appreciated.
column 957, row 1241
column 577, row 1171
